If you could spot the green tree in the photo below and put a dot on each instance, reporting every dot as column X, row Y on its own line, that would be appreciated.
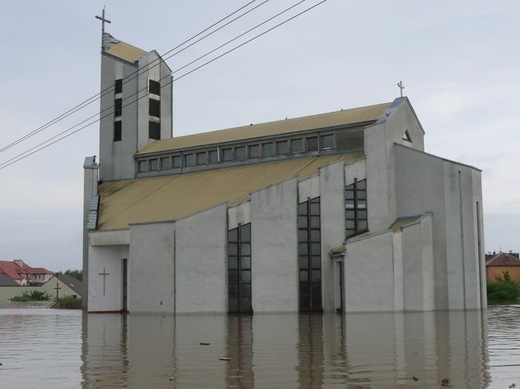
column 504, row 289
column 77, row 274
column 33, row 295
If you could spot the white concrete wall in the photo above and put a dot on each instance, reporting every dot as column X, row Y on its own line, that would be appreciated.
column 419, row 193
column 369, row 278
column 201, row 262
column 116, row 158
column 308, row 189
column 150, row 268
column 153, row 67
column 439, row 192
column 380, row 178
column 398, row 268
column 355, row 171
column 90, row 186
column 332, row 203
column 240, row 214
column 274, row 248
column 380, row 163
column 418, row 281
column 105, row 259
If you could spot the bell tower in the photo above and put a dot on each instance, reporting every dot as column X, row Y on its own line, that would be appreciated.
column 135, row 104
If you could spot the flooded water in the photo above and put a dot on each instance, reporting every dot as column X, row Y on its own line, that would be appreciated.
column 68, row 349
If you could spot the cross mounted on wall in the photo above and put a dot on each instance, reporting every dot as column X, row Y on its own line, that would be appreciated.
column 57, row 289
column 104, row 274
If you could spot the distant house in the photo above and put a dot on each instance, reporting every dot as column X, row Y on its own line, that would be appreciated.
column 40, row 276
column 23, row 274
column 499, row 263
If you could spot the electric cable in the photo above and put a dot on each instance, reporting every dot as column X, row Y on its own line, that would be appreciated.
column 56, row 139
column 130, row 77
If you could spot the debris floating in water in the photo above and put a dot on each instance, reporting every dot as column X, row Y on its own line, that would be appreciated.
column 204, row 344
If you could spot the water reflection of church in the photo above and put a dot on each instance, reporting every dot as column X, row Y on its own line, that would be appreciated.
column 335, row 211
column 376, row 350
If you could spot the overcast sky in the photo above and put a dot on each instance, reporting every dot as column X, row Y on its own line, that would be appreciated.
column 459, row 62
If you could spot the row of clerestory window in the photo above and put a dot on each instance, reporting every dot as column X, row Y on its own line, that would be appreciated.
column 238, row 153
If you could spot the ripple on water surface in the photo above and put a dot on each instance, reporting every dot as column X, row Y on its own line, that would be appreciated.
column 68, row 349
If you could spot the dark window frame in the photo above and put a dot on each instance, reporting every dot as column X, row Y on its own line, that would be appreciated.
column 254, row 151
column 240, row 269
column 118, row 130
column 201, row 158
column 154, row 108
column 267, row 150
column 309, row 256
column 227, row 155
column 298, row 149
column 311, row 143
column 165, row 163
column 118, row 86
column 177, row 161
column 154, row 87
column 154, row 130
column 356, row 208
column 213, row 157
column 327, row 141
column 282, row 147
column 118, row 107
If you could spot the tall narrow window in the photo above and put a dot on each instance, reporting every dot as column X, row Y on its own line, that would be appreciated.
column 118, row 107
column 239, row 269
column 118, row 129
column 154, row 88
column 309, row 255
column 118, row 87
column 154, row 108
column 356, row 216
column 154, row 130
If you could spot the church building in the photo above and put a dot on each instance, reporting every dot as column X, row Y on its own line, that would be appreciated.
column 332, row 212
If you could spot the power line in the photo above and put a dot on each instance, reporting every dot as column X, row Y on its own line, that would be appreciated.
column 131, row 76
column 239, row 36
column 55, row 139
column 250, row 40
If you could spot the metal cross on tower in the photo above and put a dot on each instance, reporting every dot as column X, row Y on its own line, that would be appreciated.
column 103, row 21
column 104, row 274
column 401, row 87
